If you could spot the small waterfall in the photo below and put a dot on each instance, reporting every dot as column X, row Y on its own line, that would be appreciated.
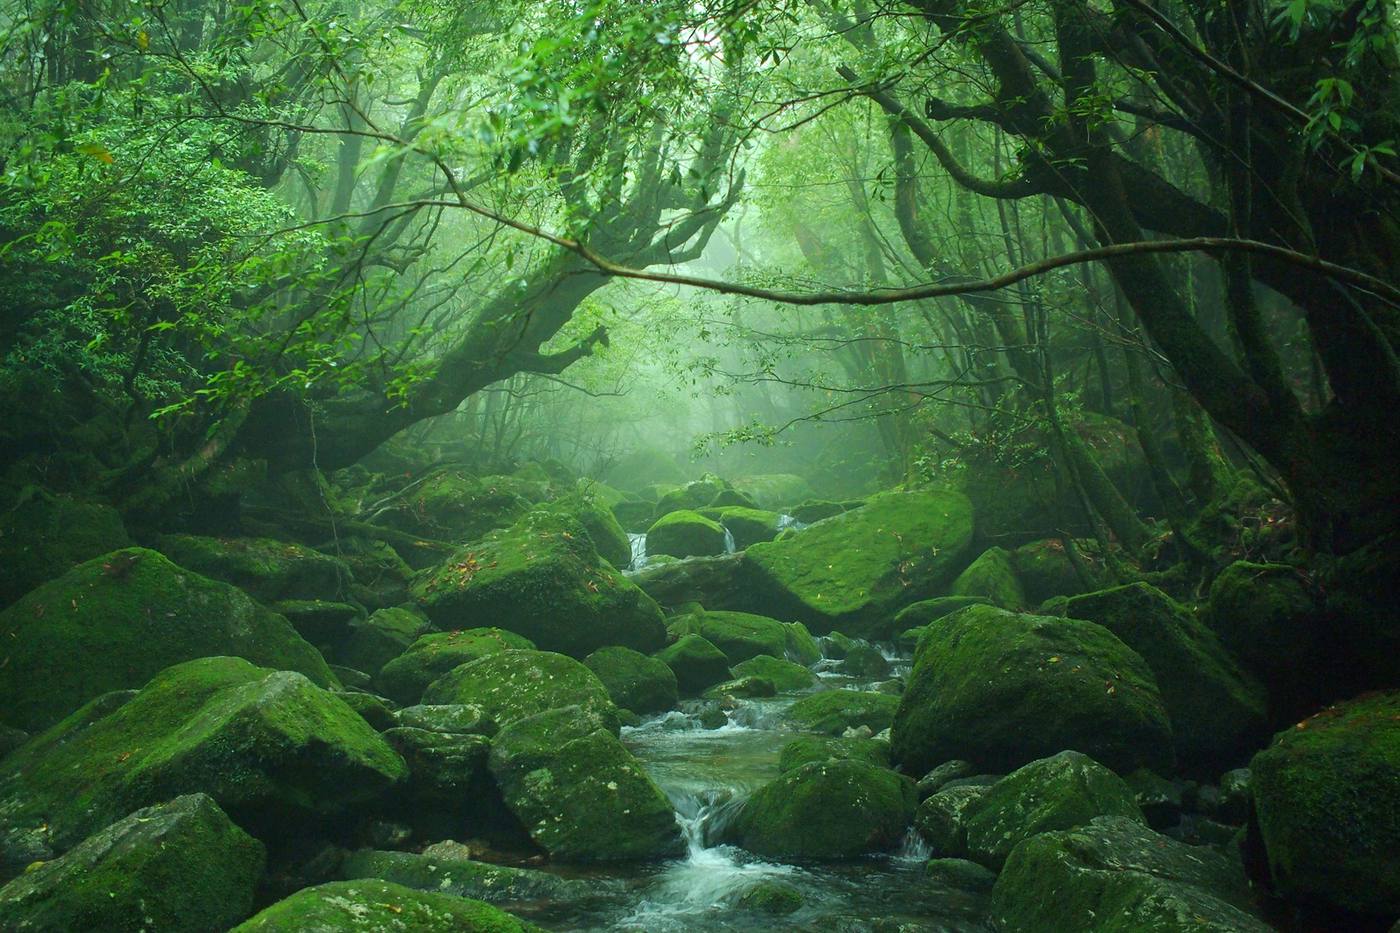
column 786, row 521
column 639, row 550
column 913, row 848
column 729, row 546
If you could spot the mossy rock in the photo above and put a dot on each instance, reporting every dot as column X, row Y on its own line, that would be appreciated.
column 786, row 676
column 457, row 507
column 602, row 526
column 634, row 515
column 685, row 533
column 1059, row 792
column 513, row 684
column 1045, row 570
column 770, row 897
column 992, row 577
column 1267, row 618
column 372, row 709
column 404, row 679
column 691, row 496
column 319, row 621
column 807, row 749
column 747, row 525
column 1000, row 689
column 268, row 746
column 1327, row 801
column 44, row 535
column 942, row 818
column 864, row 660
column 1117, row 876
column 368, row 905
column 543, row 579
column 814, row 510
column 827, row 810
column 774, row 491
column 1217, row 710
column 114, row 621
column 832, row 712
column 579, row 792
column 634, row 681
column 696, row 663
column 495, row 884
column 854, row 571
column 452, row 718
column 740, row 635
column 741, row 688
column 265, row 569
column 926, row 611
column 375, row 641
column 180, row 866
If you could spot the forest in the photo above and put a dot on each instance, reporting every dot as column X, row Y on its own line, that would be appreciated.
column 670, row 466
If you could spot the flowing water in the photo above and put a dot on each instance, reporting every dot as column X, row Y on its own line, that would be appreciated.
column 708, row 774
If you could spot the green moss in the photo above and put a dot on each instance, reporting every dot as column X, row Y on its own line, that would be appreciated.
column 379, row 639
column 1118, row 876
column 1045, row 570
column 825, row 810
column 1327, row 799
column 832, row 712
column 259, row 742
column 543, row 579
column 696, row 663
column 942, row 819
column 1059, row 792
column 741, row 688
column 374, row 906
column 454, row 506
column 579, row 793
column 180, row 866
column 685, row 533
column 602, row 526
column 1217, row 711
column 1001, row 689
column 634, row 681
column 495, row 884
column 854, row 571
column 814, row 510
column 992, row 577
column 267, row 570
column 116, row 620
column 807, row 749
column 920, row 614
column 740, row 635
column 747, row 525
column 784, row 675
column 44, row 535
column 1265, row 617
column 404, row 679
column 771, row 897
column 513, row 684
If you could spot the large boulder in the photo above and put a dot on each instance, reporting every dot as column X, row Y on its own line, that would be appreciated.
column 825, row 810
column 748, row 526
column 510, row 685
column 744, row 635
column 375, row 641
column 43, row 535
column 457, row 507
column 180, row 866
column 1327, row 801
column 464, row 877
column 1001, row 689
column 1217, row 711
column 993, row 577
column 696, row 663
column 852, row 572
column 1059, row 792
column 634, row 681
column 602, row 526
column 1267, row 617
column 1045, row 569
column 784, row 675
column 369, row 905
column 543, row 579
column 692, row 496
column 832, row 712
column 578, row 791
column 1117, row 876
column 774, row 490
column 112, row 622
column 685, row 533
column 404, row 678
column 810, row 748
column 265, row 569
column 269, row 746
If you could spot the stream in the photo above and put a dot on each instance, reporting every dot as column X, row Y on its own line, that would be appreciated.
column 708, row 773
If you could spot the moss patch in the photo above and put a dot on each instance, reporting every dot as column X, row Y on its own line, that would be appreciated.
column 510, row 685
column 374, row 906
column 404, row 679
